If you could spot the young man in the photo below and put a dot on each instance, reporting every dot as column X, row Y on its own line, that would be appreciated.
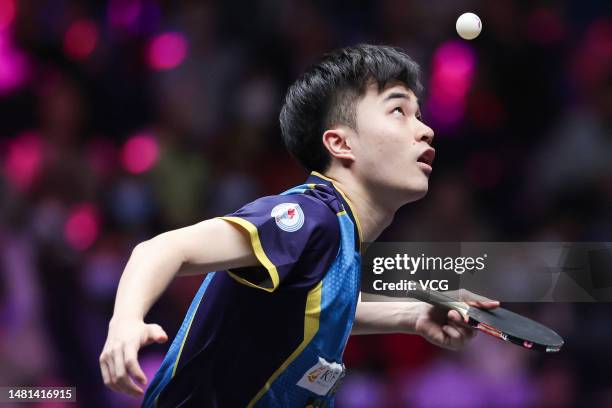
column 270, row 327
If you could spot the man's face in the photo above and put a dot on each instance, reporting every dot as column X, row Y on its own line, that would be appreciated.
column 392, row 146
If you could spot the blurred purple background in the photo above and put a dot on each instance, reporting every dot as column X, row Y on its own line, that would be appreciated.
column 122, row 119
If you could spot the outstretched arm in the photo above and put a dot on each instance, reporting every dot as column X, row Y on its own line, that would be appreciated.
column 204, row 247
column 442, row 327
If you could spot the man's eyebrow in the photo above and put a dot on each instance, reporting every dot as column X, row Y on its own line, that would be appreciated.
column 396, row 95
column 400, row 95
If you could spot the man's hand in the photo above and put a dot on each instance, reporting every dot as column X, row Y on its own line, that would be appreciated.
column 119, row 358
column 151, row 267
column 446, row 328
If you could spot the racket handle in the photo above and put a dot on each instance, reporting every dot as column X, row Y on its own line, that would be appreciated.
column 440, row 299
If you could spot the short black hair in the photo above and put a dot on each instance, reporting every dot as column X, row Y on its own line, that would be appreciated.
column 326, row 95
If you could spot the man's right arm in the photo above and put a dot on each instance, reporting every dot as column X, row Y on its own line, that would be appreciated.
column 204, row 247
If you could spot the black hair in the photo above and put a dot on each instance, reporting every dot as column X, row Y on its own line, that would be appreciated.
column 327, row 93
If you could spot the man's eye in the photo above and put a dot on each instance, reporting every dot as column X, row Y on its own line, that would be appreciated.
column 398, row 109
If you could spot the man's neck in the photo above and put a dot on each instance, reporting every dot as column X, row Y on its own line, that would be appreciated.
column 372, row 214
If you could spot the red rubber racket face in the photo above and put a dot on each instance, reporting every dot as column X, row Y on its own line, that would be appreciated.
column 509, row 326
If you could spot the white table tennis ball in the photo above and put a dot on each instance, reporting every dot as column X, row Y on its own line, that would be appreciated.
column 468, row 26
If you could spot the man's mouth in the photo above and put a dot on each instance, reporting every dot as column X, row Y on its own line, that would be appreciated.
column 426, row 159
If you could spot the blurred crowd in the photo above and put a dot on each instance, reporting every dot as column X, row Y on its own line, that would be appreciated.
column 122, row 119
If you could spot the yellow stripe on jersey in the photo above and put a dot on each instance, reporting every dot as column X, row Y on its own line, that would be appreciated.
column 178, row 356
column 259, row 253
column 183, row 344
column 312, row 314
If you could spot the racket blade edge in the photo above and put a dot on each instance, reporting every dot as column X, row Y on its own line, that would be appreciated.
column 520, row 330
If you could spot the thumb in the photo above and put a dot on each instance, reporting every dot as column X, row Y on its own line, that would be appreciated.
column 488, row 304
column 477, row 300
column 484, row 304
column 155, row 334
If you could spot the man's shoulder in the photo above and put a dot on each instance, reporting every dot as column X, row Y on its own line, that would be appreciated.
column 318, row 201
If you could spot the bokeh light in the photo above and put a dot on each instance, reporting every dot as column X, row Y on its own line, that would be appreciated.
column 14, row 67
column 7, row 13
column 599, row 37
column 167, row 50
column 140, row 153
column 82, row 226
column 453, row 66
column 134, row 17
column 453, row 69
column 23, row 160
column 124, row 13
column 80, row 39
column 591, row 65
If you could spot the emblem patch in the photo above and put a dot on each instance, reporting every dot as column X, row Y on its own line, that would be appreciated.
column 288, row 216
column 322, row 377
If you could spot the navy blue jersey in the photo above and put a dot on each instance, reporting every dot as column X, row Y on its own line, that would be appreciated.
column 271, row 335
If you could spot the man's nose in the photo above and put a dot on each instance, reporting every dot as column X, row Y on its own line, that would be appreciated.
column 425, row 134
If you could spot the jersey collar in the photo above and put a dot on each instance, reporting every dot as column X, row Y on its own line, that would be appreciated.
column 318, row 178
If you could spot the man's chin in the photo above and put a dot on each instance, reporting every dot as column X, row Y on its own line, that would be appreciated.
column 415, row 193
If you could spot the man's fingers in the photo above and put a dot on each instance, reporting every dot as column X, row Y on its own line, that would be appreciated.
column 457, row 320
column 465, row 331
column 454, row 337
column 110, row 363
column 110, row 367
column 133, row 368
column 123, row 381
column 438, row 337
column 105, row 373
column 451, row 332
column 120, row 372
column 458, row 334
column 455, row 317
column 119, row 360
column 131, row 388
column 130, row 358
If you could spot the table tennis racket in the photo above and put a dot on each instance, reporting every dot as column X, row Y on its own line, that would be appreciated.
column 498, row 322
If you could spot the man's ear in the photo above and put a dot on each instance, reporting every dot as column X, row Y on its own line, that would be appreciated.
column 337, row 141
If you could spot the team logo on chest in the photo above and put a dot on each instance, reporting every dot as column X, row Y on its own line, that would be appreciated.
column 288, row 216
